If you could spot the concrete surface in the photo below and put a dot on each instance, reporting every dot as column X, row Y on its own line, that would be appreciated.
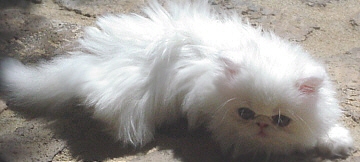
column 32, row 30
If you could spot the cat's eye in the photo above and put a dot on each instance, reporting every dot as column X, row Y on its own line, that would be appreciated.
column 281, row 120
column 246, row 113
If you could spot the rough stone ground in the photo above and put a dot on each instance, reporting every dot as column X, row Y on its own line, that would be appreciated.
column 32, row 30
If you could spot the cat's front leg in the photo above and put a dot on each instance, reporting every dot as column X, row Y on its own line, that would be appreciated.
column 336, row 143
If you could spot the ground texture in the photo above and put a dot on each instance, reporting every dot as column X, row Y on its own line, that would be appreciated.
column 32, row 30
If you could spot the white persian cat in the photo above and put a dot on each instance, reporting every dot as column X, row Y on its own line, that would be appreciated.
column 254, row 91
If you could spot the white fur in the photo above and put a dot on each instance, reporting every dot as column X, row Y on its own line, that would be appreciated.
column 336, row 142
column 139, row 72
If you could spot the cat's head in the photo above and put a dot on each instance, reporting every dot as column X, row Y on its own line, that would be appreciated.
column 272, row 105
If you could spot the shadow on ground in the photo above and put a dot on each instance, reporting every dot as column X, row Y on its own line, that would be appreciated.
column 87, row 140
column 30, row 37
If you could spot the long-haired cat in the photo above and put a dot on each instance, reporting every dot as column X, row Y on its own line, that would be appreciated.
column 254, row 91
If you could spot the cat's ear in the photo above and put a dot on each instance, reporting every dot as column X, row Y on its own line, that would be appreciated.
column 230, row 67
column 228, row 72
column 311, row 80
column 309, row 85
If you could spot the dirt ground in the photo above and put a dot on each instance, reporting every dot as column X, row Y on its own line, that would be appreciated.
column 32, row 30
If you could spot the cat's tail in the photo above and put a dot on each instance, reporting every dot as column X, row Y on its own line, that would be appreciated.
column 46, row 85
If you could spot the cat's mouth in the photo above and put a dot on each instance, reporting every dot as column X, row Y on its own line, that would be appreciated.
column 262, row 134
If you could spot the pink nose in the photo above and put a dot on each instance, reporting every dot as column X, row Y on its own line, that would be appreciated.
column 262, row 125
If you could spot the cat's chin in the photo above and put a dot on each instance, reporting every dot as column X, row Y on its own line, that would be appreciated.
column 262, row 135
column 258, row 149
column 259, row 143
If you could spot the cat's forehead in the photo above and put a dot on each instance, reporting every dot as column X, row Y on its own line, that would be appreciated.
column 265, row 108
column 261, row 107
column 267, row 101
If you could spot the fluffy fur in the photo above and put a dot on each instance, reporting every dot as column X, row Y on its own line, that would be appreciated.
column 138, row 72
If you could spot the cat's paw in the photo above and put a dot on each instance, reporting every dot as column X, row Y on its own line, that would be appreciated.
column 337, row 143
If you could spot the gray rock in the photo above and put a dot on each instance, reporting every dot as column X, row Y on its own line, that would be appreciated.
column 30, row 37
column 345, row 68
column 29, row 143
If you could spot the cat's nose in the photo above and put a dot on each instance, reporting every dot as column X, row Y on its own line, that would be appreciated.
column 262, row 125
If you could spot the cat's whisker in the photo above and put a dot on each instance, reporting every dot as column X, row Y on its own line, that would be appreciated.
column 224, row 103
column 221, row 106
column 299, row 118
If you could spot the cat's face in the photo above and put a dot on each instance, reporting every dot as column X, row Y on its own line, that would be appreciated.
column 247, row 127
column 262, row 113
column 260, row 123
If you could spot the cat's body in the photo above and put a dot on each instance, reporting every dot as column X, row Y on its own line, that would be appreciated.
column 252, row 90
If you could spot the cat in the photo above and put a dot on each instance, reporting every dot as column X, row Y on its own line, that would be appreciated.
column 254, row 91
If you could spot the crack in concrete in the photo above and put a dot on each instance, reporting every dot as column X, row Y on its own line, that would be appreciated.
column 307, row 35
column 76, row 11
column 58, row 152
